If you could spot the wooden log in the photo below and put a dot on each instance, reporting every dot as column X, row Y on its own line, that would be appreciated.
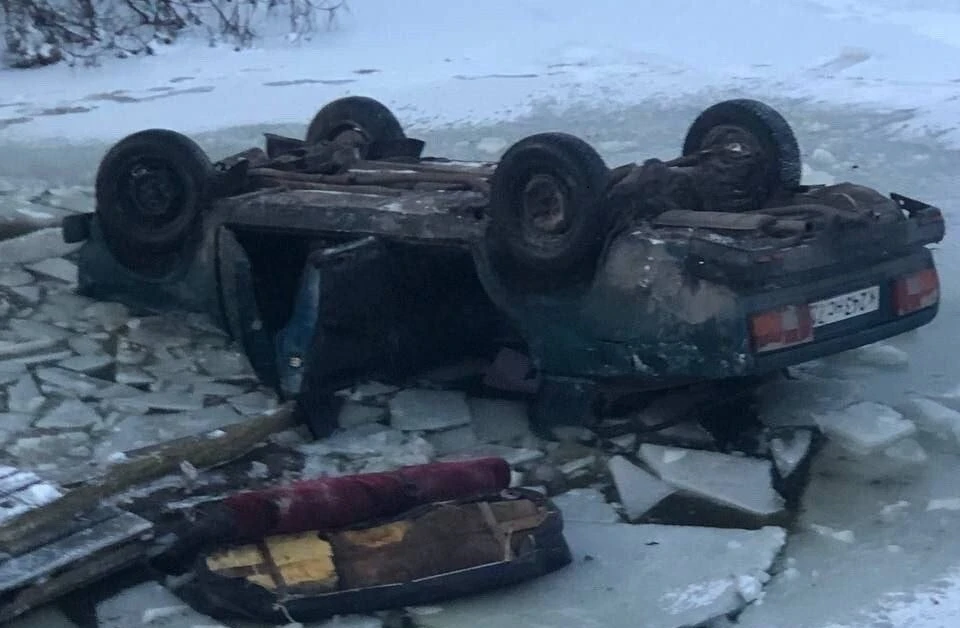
column 384, row 178
column 202, row 451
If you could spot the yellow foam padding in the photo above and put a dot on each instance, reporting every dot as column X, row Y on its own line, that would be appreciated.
column 303, row 558
column 243, row 556
column 378, row 537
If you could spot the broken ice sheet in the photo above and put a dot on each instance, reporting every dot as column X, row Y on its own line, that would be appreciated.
column 56, row 268
column 896, row 462
column 879, row 355
column 24, row 396
column 224, row 364
column 794, row 402
column 159, row 332
column 353, row 414
column 586, row 505
column 736, row 481
column 36, row 246
column 790, row 449
column 639, row 490
column 165, row 401
column 865, row 427
column 14, row 276
column 149, row 604
column 33, row 450
column 256, row 402
column 452, row 440
column 934, row 418
column 427, row 410
column 87, row 363
column 107, row 314
column 70, row 414
column 652, row 576
column 37, row 330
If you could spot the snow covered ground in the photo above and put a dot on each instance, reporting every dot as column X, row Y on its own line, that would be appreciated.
column 866, row 84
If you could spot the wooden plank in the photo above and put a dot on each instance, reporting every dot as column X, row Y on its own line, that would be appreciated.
column 22, row 491
column 19, row 535
column 22, row 570
column 93, row 568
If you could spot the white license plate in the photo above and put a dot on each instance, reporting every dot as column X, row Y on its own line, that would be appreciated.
column 845, row 306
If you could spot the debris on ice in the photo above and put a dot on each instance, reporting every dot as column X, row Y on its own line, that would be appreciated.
column 865, row 427
column 736, row 481
column 428, row 410
column 638, row 489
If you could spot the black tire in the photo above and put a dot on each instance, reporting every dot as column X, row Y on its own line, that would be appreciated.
column 768, row 129
column 547, row 215
column 355, row 120
column 151, row 188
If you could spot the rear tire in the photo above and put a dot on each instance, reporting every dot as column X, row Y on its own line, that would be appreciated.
column 548, row 219
column 151, row 189
column 356, row 121
column 758, row 125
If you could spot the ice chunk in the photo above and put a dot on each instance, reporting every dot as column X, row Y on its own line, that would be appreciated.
column 866, row 427
column 57, row 268
column 87, row 363
column 169, row 401
column 935, row 418
column 24, row 396
column 879, row 355
column 15, row 422
column 108, row 315
column 36, row 330
column 70, row 414
column 945, row 503
column 45, row 616
column 85, row 345
column 492, row 145
column 823, row 156
column 586, row 505
column 23, row 351
column 790, row 449
column 132, row 376
column 36, row 246
column 638, row 489
column 736, row 481
column 47, row 448
column 135, row 432
column 149, row 604
column 452, row 440
column 895, row 462
column 844, row 536
column 130, row 354
column 30, row 294
column 14, row 276
column 256, row 402
column 668, row 576
column 428, row 410
column 159, row 332
column 499, row 420
column 73, row 382
column 224, row 364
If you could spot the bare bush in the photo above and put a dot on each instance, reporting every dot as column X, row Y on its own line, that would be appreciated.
column 41, row 32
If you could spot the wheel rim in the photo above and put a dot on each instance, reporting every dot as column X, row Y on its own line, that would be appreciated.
column 152, row 193
column 351, row 136
column 733, row 138
column 545, row 210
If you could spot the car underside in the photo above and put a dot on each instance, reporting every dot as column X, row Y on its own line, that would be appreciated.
column 348, row 255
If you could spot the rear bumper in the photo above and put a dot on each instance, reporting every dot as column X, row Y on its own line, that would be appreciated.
column 804, row 353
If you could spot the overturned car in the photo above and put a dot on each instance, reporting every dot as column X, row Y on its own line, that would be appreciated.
column 349, row 254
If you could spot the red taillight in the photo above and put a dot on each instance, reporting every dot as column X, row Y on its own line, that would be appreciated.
column 781, row 328
column 916, row 291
